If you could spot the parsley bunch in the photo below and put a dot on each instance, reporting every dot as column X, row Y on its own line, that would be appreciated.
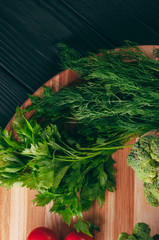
column 71, row 177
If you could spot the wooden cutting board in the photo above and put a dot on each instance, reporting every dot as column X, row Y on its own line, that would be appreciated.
column 122, row 210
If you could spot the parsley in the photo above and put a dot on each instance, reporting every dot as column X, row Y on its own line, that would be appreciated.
column 70, row 177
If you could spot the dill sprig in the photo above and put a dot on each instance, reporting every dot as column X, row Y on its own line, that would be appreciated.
column 119, row 91
column 117, row 94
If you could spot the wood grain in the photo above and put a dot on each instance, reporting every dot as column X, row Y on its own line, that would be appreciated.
column 122, row 210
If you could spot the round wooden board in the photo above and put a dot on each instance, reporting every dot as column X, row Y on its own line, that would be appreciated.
column 122, row 210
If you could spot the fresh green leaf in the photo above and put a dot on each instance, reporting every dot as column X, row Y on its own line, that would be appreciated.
column 82, row 226
column 59, row 175
column 67, row 217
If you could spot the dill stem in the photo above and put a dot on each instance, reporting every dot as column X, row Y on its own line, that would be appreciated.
column 108, row 148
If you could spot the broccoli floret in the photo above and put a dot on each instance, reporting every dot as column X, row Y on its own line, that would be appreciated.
column 156, row 237
column 152, row 194
column 142, row 231
column 123, row 236
column 155, row 149
column 141, row 161
column 126, row 236
column 144, row 159
column 131, row 237
column 156, row 181
column 141, row 227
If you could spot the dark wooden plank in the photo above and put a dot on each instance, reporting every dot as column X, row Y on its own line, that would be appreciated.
column 12, row 93
column 120, row 20
column 30, row 32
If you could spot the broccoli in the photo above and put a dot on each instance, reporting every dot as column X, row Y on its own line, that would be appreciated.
column 156, row 237
column 141, row 231
column 144, row 159
column 123, row 236
column 126, row 236
column 131, row 237
column 152, row 194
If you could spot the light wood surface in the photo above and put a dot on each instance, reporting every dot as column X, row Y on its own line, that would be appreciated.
column 122, row 210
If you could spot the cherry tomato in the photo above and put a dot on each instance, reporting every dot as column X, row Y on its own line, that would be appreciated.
column 78, row 236
column 42, row 233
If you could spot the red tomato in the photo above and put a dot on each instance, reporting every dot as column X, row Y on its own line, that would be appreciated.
column 78, row 236
column 42, row 233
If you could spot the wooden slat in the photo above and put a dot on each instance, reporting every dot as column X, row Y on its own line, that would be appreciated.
column 142, row 211
column 122, row 210
column 5, row 204
column 124, row 196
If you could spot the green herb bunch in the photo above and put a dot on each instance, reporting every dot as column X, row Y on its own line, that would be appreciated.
column 117, row 94
column 71, row 177
column 119, row 90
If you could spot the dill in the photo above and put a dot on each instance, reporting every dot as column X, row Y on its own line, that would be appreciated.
column 118, row 93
